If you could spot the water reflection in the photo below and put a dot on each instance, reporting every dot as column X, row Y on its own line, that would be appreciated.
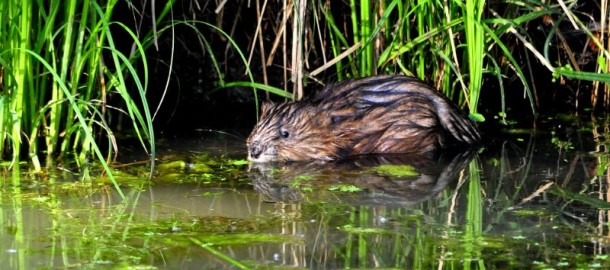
column 527, row 201
column 431, row 174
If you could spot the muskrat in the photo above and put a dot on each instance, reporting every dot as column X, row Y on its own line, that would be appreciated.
column 374, row 115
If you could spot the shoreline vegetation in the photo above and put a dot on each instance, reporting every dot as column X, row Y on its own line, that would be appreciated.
column 75, row 73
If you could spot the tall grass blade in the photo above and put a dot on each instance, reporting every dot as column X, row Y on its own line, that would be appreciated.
column 475, row 41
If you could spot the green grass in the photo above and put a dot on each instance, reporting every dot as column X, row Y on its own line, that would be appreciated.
column 409, row 38
column 453, row 45
column 56, row 80
column 60, row 62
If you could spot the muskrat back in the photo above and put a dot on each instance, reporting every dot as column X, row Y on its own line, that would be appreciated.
column 380, row 114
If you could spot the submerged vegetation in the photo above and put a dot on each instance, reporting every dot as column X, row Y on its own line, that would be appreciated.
column 526, row 204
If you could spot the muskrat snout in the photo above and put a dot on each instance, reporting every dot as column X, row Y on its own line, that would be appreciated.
column 261, row 152
column 255, row 150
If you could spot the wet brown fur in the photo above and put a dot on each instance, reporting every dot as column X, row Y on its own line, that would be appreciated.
column 381, row 114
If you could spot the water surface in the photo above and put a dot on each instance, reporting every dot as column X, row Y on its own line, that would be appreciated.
column 525, row 200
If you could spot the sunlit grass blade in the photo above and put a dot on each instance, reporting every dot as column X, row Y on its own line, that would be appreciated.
column 81, row 119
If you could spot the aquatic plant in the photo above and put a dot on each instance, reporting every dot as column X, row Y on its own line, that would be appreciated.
column 453, row 45
column 67, row 86
column 60, row 66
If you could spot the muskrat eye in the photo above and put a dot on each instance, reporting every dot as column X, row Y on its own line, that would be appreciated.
column 284, row 133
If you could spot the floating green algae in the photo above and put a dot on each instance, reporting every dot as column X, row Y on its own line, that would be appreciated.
column 395, row 170
column 345, row 188
column 172, row 166
column 238, row 162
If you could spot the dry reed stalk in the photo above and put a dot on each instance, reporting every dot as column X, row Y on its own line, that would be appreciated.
column 528, row 45
column 333, row 61
column 280, row 34
column 298, row 27
column 220, row 6
column 261, row 44
column 284, row 56
column 454, row 51
column 532, row 196
column 569, row 14
column 603, row 36
column 532, row 79
column 322, row 43
column 258, row 36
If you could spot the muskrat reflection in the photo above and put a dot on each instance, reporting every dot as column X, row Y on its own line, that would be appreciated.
column 285, row 182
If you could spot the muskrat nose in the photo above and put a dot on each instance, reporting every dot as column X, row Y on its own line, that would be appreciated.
column 255, row 150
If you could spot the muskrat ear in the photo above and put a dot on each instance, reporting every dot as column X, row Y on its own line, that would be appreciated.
column 265, row 106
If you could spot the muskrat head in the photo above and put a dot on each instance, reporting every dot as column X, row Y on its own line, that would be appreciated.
column 290, row 131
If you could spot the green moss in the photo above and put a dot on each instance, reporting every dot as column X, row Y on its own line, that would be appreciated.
column 395, row 170
column 200, row 168
column 171, row 166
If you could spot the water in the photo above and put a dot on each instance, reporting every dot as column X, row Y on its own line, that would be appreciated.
column 530, row 200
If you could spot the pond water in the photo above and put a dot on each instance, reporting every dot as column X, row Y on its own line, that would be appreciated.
column 525, row 200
